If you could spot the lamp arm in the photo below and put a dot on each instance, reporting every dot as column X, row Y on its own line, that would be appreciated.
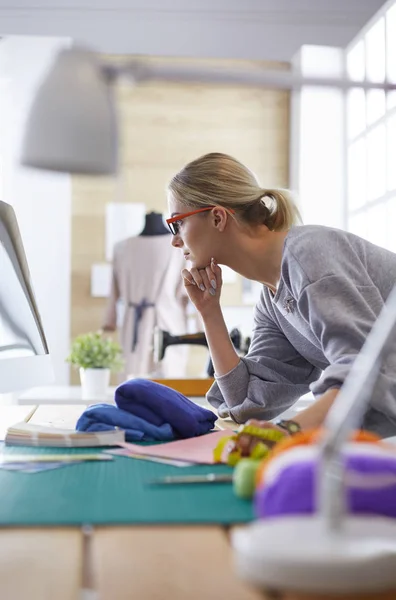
column 348, row 409
column 140, row 70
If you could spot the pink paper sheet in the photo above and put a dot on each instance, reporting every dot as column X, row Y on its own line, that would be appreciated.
column 194, row 450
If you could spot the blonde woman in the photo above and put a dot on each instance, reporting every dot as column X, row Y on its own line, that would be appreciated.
column 322, row 291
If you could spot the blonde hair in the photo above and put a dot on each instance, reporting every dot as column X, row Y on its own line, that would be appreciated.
column 218, row 179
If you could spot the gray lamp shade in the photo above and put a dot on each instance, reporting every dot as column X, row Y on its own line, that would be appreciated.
column 72, row 124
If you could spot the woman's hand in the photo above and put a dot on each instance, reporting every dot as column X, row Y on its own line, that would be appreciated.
column 247, row 442
column 203, row 286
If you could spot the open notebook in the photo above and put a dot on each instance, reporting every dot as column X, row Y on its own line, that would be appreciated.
column 30, row 434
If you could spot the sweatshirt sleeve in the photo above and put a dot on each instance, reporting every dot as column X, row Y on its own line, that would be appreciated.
column 341, row 315
column 267, row 381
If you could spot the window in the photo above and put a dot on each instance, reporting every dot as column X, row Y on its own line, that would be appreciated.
column 371, row 133
column 391, row 153
column 391, row 52
column 375, row 70
column 357, row 185
column 392, row 219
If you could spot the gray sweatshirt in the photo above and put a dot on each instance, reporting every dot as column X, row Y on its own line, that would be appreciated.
column 332, row 288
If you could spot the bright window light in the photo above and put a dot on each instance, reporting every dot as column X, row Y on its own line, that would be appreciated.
column 391, row 153
column 356, row 112
column 378, row 224
column 376, row 162
column 358, row 225
column 391, row 52
column 356, row 62
column 375, row 52
column 375, row 69
column 375, row 105
column 371, row 135
column 392, row 224
column 357, row 185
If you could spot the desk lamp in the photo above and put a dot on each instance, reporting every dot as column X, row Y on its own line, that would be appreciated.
column 72, row 127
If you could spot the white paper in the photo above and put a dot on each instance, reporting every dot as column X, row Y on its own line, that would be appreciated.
column 101, row 280
column 123, row 220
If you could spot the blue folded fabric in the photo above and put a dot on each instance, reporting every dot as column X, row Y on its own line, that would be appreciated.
column 102, row 417
column 158, row 404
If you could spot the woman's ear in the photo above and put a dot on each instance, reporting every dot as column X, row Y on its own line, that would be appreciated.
column 219, row 216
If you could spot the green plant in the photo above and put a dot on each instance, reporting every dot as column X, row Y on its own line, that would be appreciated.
column 94, row 351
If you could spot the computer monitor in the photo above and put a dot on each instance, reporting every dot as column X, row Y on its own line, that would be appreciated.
column 24, row 356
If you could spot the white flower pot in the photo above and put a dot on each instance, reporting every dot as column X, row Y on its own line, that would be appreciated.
column 94, row 383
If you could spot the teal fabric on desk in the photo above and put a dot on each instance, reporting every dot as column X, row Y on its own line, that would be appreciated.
column 115, row 492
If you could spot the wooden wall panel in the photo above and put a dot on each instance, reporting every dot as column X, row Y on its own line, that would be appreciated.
column 162, row 126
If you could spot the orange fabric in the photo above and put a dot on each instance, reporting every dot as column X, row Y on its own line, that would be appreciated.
column 304, row 438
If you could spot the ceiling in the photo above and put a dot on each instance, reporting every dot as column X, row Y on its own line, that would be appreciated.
column 266, row 29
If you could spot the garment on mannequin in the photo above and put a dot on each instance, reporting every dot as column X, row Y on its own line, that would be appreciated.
column 146, row 280
column 154, row 225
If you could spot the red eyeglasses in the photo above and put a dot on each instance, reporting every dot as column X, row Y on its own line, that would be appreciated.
column 174, row 222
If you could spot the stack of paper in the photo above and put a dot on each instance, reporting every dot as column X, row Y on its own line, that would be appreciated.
column 196, row 450
column 29, row 434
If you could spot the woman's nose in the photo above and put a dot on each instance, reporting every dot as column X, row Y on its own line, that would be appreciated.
column 177, row 242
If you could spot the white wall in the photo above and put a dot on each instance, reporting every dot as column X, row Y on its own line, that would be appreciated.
column 42, row 200
column 317, row 149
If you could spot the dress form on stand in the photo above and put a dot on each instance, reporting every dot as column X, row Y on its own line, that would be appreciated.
column 154, row 225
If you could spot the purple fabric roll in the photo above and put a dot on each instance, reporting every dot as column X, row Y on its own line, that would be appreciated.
column 158, row 404
column 294, row 490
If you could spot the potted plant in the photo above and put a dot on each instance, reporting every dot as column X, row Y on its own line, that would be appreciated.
column 95, row 356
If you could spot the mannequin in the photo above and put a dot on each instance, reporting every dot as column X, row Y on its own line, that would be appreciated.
column 154, row 225
column 146, row 279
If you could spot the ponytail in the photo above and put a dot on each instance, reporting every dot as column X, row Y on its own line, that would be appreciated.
column 283, row 212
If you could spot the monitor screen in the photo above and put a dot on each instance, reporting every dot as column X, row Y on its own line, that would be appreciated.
column 23, row 348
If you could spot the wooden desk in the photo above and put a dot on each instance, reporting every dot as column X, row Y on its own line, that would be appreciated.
column 148, row 563
column 119, row 563
column 194, row 563
column 40, row 564
column 166, row 562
